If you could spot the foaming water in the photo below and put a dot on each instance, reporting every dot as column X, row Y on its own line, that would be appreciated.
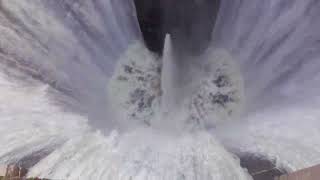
column 68, row 45
column 288, row 135
column 31, row 123
column 276, row 45
column 135, row 86
column 155, row 92
column 63, row 76
column 139, row 155
column 66, row 65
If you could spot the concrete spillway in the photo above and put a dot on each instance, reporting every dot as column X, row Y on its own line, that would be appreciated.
column 82, row 93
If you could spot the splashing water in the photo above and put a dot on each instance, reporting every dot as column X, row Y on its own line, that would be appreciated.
column 67, row 67
column 66, row 49
column 276, row 45
column 148, row 89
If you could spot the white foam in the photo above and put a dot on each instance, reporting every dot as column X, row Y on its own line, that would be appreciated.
column 30, row 122
column 134, row 89
column 276, row 45
column 139, row 155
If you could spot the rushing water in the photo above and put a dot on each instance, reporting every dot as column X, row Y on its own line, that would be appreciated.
column 276, row 44
column 82, row 98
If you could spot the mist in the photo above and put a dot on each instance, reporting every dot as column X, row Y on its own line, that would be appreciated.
column 125, row 90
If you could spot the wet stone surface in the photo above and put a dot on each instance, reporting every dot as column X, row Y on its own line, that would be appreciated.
column 260, row 168
column 191, row 32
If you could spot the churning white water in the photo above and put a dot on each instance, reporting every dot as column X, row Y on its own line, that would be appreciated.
column 276, row 44
column 82, row 98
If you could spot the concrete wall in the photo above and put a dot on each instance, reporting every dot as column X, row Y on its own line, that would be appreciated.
column 312, row 173
column 190, row 22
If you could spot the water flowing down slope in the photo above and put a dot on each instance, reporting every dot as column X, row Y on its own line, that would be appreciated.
column 136, row 155
column 70, row 45
column 276, row 44
column 83, row 98
column 57, row 59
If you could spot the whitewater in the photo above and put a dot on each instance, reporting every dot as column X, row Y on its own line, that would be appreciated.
column 83, row 98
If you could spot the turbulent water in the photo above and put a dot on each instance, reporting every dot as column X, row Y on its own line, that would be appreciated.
column 82, row 97
column 276, row 43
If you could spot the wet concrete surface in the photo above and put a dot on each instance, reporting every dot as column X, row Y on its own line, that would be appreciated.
column 311, row 173
column 29, row 161
column 190, row 23
column 260, row 168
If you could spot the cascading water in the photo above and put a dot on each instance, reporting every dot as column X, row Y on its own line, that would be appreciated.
column 83, row 98
column 276, row 45
column 168, row 79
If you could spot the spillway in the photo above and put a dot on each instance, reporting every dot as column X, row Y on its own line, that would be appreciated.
column 83, row 97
